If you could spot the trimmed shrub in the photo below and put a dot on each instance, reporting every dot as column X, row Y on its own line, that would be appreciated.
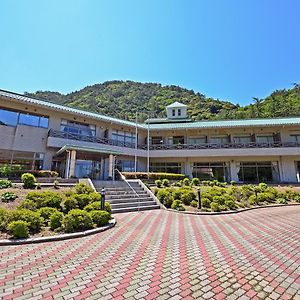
column 194, row 203
column 5, row 184
column 195, row 181
column 215, row 206
column 219, row 199
column 265, row 197
column 153, row 176
column 33, row 219
column 3, row 218
column 69, row 203
column 230, row 204
column 46, row 212
column 8, row 196
column 100, row 217
column 177, row 194
column 27, row 204
column 45, row 199
column 97, row 206
column 297, row 198
column 55, row 220
column 18, row 229
column 158, row 183
column 253, row 200
column 262, row 187
column 82, row 200
column 177, row 204
column 205, row 202
column 282, row 201
column 28, row 180
column 162, row 194
column 187, row 197
column 168, row 201
column 186, row 182
column 82, row 188
column 76, row 220
column 165, row 182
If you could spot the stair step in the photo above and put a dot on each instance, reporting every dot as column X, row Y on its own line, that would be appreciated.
column 130, row 209
column 132, row 204
column 125, row 195
column 131, row 200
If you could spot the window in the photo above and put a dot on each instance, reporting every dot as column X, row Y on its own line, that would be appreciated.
column 179, row 112
column 178, row 140
column 243, row 139
column 166, row 167
column 197, row 140
column 295, row 138
column 156, row 140
column 266, row 171
column 77, row 128
column 219, row 139
column 124, row 138
column 125, row 165
column 13, row 118
column 173, row 112
column 265, row 139
column 211, row 170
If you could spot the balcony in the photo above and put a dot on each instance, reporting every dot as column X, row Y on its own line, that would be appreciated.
column 85, row 138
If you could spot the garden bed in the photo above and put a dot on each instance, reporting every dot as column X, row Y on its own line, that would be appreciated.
column 49, row 211
column 221, row 197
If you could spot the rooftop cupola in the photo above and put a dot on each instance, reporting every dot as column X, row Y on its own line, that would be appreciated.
column 176, row 110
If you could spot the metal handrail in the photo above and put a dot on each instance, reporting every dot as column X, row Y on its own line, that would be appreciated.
column 124, row 179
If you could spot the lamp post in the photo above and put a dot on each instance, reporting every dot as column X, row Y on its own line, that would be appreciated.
column 148, row 149
column 199, row 198
column 102, row 206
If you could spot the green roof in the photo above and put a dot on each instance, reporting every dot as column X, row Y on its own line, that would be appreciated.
column 86, row 149
column 157, row 126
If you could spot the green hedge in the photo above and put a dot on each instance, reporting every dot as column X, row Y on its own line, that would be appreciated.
column 153, row 176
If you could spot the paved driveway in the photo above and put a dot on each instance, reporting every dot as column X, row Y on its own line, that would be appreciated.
column 165, row 255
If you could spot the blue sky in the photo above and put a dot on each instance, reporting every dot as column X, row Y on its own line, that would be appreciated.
column 227, row 49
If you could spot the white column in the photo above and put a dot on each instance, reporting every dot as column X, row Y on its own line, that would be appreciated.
column 72, row 163
column 110, row 166
column 234, row 171
column 67, row 169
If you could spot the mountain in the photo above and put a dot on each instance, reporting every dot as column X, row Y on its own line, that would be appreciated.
column 123, row 99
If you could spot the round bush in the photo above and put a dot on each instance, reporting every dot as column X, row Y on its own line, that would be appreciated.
column 194, row 203
column 55, row 220
column 177, row 194
column 82, row 200
column 230, row 204
column 214, row 206
column 187, row 197
column 28, row 180
column 8, row 197
column 282, row 201
column 297, row 198
column 100, row 217
column 5, row 184
column 177, row 204
column 162, row 194
column 205, row 202
column 97, row 206
column 186, row 182
column 165, row 182
column 168, row 201
column 18, row 229
column 27, row 204
column 45, row 199
column 158, row 183
column 195, row 181
column 82, row 188
column 46, row 212
column 3, row 218
column 76, row 220
column 69, row 203
column 33, row 219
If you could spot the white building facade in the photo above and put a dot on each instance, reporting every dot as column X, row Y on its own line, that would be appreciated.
column 36, row 135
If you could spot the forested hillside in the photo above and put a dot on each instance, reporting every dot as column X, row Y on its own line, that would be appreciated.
column 122, row 99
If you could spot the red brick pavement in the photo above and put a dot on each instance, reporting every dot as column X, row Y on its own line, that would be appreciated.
column 164, row 255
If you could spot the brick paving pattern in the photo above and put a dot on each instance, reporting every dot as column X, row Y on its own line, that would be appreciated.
column 164, row 255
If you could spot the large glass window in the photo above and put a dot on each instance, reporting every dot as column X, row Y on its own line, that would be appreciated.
column 266, row 171
column 243, row 139
column 77, row 128
column 125, row 165
column 124, row 138
column 211, row 171
column 219, row 139
column 13, row 118
column 196, row 140
column 295, row 138
column 265, row 139
column 178, row 140
column 166, row 167
column 156, row 140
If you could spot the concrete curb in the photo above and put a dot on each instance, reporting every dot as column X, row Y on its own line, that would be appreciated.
column 203, row 213
column 60, row 237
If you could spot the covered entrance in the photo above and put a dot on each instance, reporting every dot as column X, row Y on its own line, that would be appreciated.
column 85, row 162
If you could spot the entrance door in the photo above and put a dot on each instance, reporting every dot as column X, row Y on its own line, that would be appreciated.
column 88, row 169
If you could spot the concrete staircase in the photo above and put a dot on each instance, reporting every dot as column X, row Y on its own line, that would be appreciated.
column 123, row 199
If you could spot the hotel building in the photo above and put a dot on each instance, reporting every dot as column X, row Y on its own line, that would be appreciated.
column 37, row 135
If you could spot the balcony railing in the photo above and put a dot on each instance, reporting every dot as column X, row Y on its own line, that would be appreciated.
column 85, row 138
column 94, row 139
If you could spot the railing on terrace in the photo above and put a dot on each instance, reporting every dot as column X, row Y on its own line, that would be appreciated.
column 93, row 139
